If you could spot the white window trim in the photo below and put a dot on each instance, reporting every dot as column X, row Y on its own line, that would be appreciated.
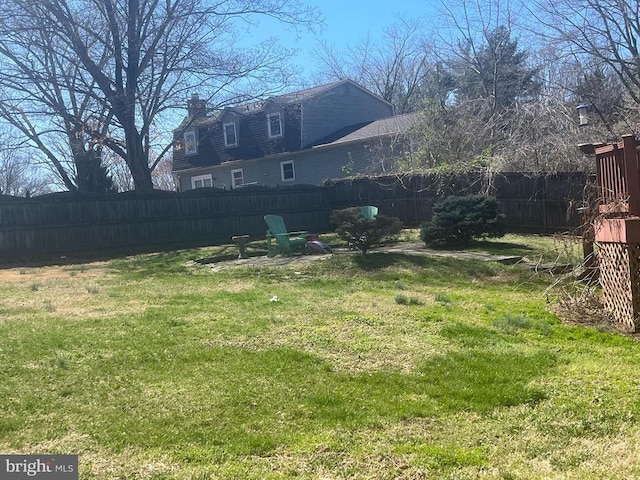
column 194, row 150
column 233, row 178
column 269, row 116
column 293, row 169
column 235, row 131
column 201, row 178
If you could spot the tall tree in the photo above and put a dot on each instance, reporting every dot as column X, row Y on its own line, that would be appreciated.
column 140, row 58
column 395, row 65
column 604, row 31
column 44, row 95
column 496, row 72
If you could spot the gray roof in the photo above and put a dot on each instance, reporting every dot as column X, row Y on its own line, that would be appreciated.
column 377, row 128
column 256, row 106
column 306, row 93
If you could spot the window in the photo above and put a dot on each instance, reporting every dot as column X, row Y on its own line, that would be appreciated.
column 237, row 178
column 287, row 171
column 201, row 181
column 274, row 125
column 230, row 135
column 190, row 145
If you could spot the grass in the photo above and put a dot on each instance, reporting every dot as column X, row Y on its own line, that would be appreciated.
column 537, row 248
column 379, row 366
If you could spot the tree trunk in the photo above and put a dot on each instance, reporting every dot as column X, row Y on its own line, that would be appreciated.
column 137, row 161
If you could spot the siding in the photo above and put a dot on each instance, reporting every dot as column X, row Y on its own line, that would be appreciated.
column 312, row 167
column 340, row 107
column 305, row 122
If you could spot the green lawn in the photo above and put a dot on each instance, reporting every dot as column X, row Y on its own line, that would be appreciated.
column 386, row 366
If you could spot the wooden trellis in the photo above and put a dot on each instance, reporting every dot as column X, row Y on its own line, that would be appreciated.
column 617, row 230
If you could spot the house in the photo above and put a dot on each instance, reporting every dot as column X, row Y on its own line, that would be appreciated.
column 302, row 137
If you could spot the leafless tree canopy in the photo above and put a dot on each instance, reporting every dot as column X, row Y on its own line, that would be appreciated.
column 116, row 67
column 20, row 176
column 598, row 33
column 395, row 65
column 92, row 84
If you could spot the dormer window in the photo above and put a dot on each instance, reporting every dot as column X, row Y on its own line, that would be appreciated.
column 230, row 135
column 274, row 125
column 190, row 145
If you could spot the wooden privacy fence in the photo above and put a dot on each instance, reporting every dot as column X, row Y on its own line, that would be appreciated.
column 59, row 222
column 62, row 222
column 532, row 203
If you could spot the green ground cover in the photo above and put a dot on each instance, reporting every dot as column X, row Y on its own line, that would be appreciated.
column 382, row 366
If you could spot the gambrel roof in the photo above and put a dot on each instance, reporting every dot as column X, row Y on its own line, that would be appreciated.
column 284, row 99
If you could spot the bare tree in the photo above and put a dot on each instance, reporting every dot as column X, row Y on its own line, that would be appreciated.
column 395, row 66
column 140, row 58
column 163, row 177
column 45, row 96
column 601, row 32
column 19, row 174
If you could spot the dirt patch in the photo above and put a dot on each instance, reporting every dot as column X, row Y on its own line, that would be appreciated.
column 31, row 274
column 588, row 311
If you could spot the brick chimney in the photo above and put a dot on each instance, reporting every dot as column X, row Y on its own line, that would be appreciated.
column 196, row 107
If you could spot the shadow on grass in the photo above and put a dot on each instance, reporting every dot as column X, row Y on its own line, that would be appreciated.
column 78, row 257
column 165, row 263
column 425, row 265
column 249, row 402
column 176, row 261
column 230, row 257
column 501, row 248
column 492, row 247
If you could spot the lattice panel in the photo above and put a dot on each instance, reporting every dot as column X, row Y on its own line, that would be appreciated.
column 620, row 280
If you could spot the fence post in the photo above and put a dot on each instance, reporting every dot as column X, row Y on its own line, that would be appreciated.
column 631, row 168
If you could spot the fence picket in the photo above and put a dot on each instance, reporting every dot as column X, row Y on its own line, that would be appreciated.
column 61, row 222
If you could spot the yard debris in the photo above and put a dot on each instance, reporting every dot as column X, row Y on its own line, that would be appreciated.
column 274, row 299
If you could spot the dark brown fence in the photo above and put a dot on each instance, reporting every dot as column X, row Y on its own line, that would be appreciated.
column 62, row 223
column 540, row 204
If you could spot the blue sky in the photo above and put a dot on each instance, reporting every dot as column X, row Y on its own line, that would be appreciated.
column 348, row 21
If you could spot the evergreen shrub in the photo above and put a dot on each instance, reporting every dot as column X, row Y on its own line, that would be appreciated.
column 457, row 220
column 363, row 233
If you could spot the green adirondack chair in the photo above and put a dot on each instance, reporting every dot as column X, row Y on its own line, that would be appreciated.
column 369, row 212
column 279, row 241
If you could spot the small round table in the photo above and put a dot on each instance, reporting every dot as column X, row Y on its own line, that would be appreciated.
column 241, row 240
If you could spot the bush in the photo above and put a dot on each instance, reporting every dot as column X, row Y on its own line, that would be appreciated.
column 456, row 220
column 363, row 233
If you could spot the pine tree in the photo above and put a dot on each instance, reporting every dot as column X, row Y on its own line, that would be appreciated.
column 495, row 72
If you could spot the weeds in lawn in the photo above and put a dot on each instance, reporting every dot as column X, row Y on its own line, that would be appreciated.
column 179, row 372
column 511, row 323
column 398, row 285
column 406, row 300
column 61, row 362
column 443, row 298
